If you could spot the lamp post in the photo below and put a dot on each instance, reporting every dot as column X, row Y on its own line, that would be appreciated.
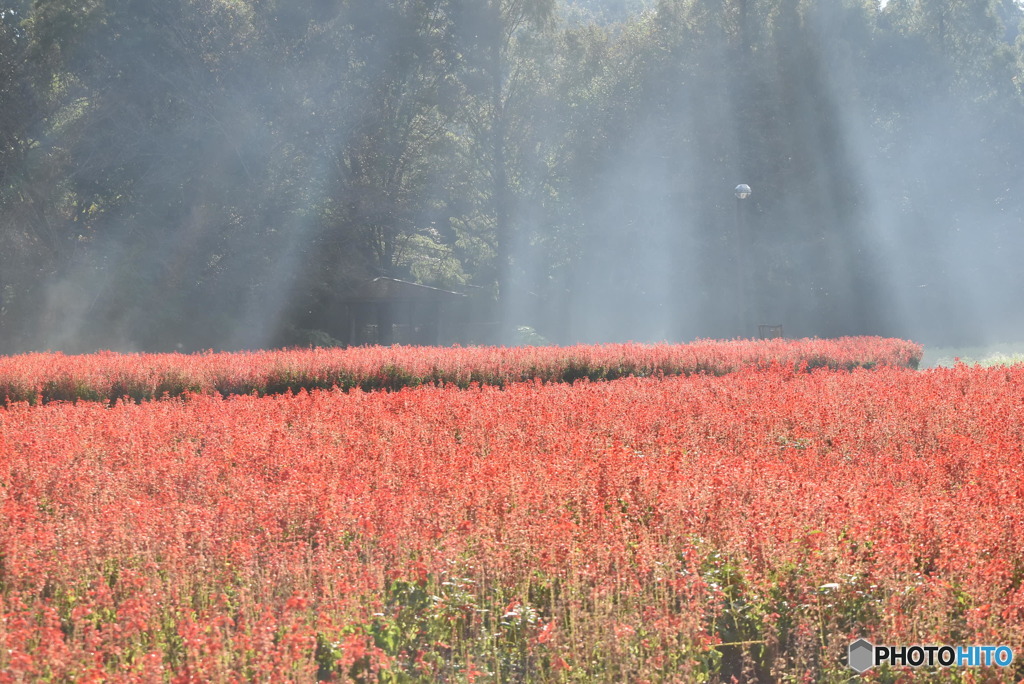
column 742, row 192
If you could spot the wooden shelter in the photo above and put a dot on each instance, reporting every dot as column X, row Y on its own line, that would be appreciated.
column 391, row 311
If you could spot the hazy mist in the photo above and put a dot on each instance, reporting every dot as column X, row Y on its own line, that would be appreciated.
column 214, row 174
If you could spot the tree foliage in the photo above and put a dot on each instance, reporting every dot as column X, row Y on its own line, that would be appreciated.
column 209, row 173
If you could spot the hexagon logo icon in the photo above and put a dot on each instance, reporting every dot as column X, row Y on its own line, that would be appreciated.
column 861, row 656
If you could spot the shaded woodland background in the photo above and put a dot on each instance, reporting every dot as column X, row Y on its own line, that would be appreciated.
column 192, row 174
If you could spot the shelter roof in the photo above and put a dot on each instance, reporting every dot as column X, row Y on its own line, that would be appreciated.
column 383, row 289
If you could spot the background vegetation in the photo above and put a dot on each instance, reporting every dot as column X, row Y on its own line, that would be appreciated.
column 213, row 173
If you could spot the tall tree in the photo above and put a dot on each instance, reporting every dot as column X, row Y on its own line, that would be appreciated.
column 32, row 243
column 155, row 117
column 382, row 120
column 495, row 37
column 400, row 73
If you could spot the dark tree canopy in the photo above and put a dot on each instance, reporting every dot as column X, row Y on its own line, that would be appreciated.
column 192, row 174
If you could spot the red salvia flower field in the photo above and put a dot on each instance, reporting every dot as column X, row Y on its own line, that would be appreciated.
column 108, row 376
column 687, row 526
